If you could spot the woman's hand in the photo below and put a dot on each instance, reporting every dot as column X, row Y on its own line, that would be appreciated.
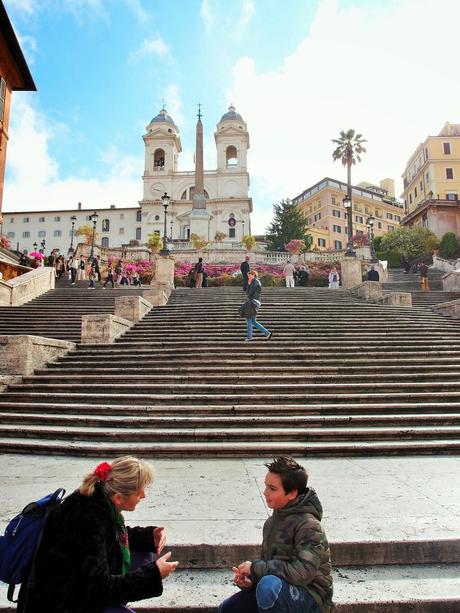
column 165, row 567
column 159, row 539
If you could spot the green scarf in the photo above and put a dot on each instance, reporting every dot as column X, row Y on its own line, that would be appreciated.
column 122, row 538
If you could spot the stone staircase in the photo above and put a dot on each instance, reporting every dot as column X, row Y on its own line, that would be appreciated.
column 399, row 281
column 57, row 313
column 338, row 378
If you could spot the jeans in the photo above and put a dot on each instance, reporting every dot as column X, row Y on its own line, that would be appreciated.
column 272, row 595
column 253, row 323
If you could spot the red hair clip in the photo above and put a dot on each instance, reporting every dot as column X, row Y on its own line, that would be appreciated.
column 102, row 471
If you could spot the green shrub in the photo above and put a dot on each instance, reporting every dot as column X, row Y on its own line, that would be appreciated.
column 449, row 245
column 180, row 281
column 318, row 281
column 269, row 280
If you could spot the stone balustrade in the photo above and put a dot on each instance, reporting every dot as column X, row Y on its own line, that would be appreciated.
column 368, row 290
column 26, row 287
column 397, row 299
column 451, row 281
column 102, row 329
column 21, row 354
column 449, row 309
column 132, row 308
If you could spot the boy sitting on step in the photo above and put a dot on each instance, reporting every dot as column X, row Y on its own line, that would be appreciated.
column 294, row 573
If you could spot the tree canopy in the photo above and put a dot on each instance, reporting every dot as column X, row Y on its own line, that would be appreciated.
column 349, row 147
column 288, row 224
column 412, row 243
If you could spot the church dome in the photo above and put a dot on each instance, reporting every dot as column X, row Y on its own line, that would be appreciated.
column 231, row 115
column 163, row 117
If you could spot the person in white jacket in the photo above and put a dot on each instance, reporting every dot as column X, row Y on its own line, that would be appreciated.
column 288, row 272
column 334, row 278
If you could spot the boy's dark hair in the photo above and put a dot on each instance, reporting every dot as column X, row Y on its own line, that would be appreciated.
column 293, row 476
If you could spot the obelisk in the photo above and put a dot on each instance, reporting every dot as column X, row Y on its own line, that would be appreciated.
column 199, row 200
column 199, row 216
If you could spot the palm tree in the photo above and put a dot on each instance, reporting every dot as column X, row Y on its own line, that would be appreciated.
column 349, row 147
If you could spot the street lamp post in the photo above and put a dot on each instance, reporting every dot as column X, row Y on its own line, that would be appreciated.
column 370, row 234
column 165, row 199
column 73, row 219
column 347, row 203
column 35, row 245
column 94, row 217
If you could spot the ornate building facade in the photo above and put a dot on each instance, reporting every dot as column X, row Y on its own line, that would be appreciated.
column 203, row 202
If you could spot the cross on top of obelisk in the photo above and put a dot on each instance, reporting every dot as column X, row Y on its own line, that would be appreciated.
column 199, row 110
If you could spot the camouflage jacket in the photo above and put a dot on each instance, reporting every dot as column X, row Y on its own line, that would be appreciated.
column 295, row 548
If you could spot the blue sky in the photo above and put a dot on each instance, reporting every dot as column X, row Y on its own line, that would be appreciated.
column 297, row 71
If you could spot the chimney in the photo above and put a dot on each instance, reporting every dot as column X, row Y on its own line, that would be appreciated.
column 112, row 206
column 79, row 206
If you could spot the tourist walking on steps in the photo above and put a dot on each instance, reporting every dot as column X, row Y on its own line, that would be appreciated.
column 109, row 278
column 373, row 275
column 423, row 273
column 288, row 272
column 303, row 275
column 198, row 271
column 252, row 305
column 244, row 267
column 88, row 561
column 293, row 574
column 81, row 272
column 334, row 278
column 73, row 267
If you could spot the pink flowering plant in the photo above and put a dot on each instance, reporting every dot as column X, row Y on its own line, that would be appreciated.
column 4, row 242
column 295, row 246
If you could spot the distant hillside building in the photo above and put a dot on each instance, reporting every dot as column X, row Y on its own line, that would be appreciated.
column 14, row 76
column 322, row 205
column 432, row 183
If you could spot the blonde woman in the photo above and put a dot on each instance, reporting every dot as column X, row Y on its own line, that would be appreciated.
column 87, row 558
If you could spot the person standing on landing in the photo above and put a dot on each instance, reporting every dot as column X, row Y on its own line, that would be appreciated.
column 288, row 272
column 334, row 278
column 254, row 291
column 199, row 273
column 245, row 271
column 294, row 573
column 88, row 561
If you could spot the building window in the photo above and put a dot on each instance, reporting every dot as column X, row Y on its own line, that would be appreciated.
column 389, row 215
column 122, row 215
column 10, row 235
column 138, row 234
column 391, row 228
column 359, row 219
column 11, row 219
column 415, row 192
column 57, row 233
column 337, row 229
column 449, row 173
column 231, row 233
column 231, row 156
column 379, row 225
column 333, row 200
column 421, row 186
column 106, row 225
column 157, row 232
column 25, row 220
column 41, row 219
column 410, row 198
column 397, row 218
column 359, row 232
column 57, row 219
column 321, row 242
column 337, row 245
column 105, row 241
column 452, row 196
column 157, row 218
column 25, row 234
column 446, row 148
column 317, row 217
column 42, row 234
column 159, row 159
column 336, row 213
column 139, row 215
column 427, row 177
column 121, row 231
column 88, row 218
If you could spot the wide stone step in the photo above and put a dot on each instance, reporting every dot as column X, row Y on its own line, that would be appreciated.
column 271, row 378
column 172, row 449
column 351, row 421
column 43, row 407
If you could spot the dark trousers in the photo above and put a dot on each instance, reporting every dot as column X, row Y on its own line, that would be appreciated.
column 138, row 559
column 109, row 280
column 272, row 595
column 245, row 283
column 73, row 273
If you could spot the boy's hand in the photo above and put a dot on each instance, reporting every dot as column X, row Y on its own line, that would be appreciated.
column 242, row 576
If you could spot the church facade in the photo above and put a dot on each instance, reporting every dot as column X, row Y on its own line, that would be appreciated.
column 203, row 202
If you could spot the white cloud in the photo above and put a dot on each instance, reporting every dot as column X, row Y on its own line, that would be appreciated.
column 154, row 46
column 34, row 180
column 173, row 103
column 206, row 14
column 228, row 20
column 29, row 7
column 386, row 71
column 247, row 12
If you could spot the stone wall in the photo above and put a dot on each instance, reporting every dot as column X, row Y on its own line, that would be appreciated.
column 26, row 287
column 102, row 329
column 132, row 308
column 451, row 281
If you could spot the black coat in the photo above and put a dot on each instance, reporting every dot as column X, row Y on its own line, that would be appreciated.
column 373, row 275
column 254, row 290
column 244, row 268
column 78, row 566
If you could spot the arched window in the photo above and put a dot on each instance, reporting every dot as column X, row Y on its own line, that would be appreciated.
column 139, row 215
column 231, row 155
column 159, row 159
column 138, row 234
column 105, row 241
column 106, row 225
